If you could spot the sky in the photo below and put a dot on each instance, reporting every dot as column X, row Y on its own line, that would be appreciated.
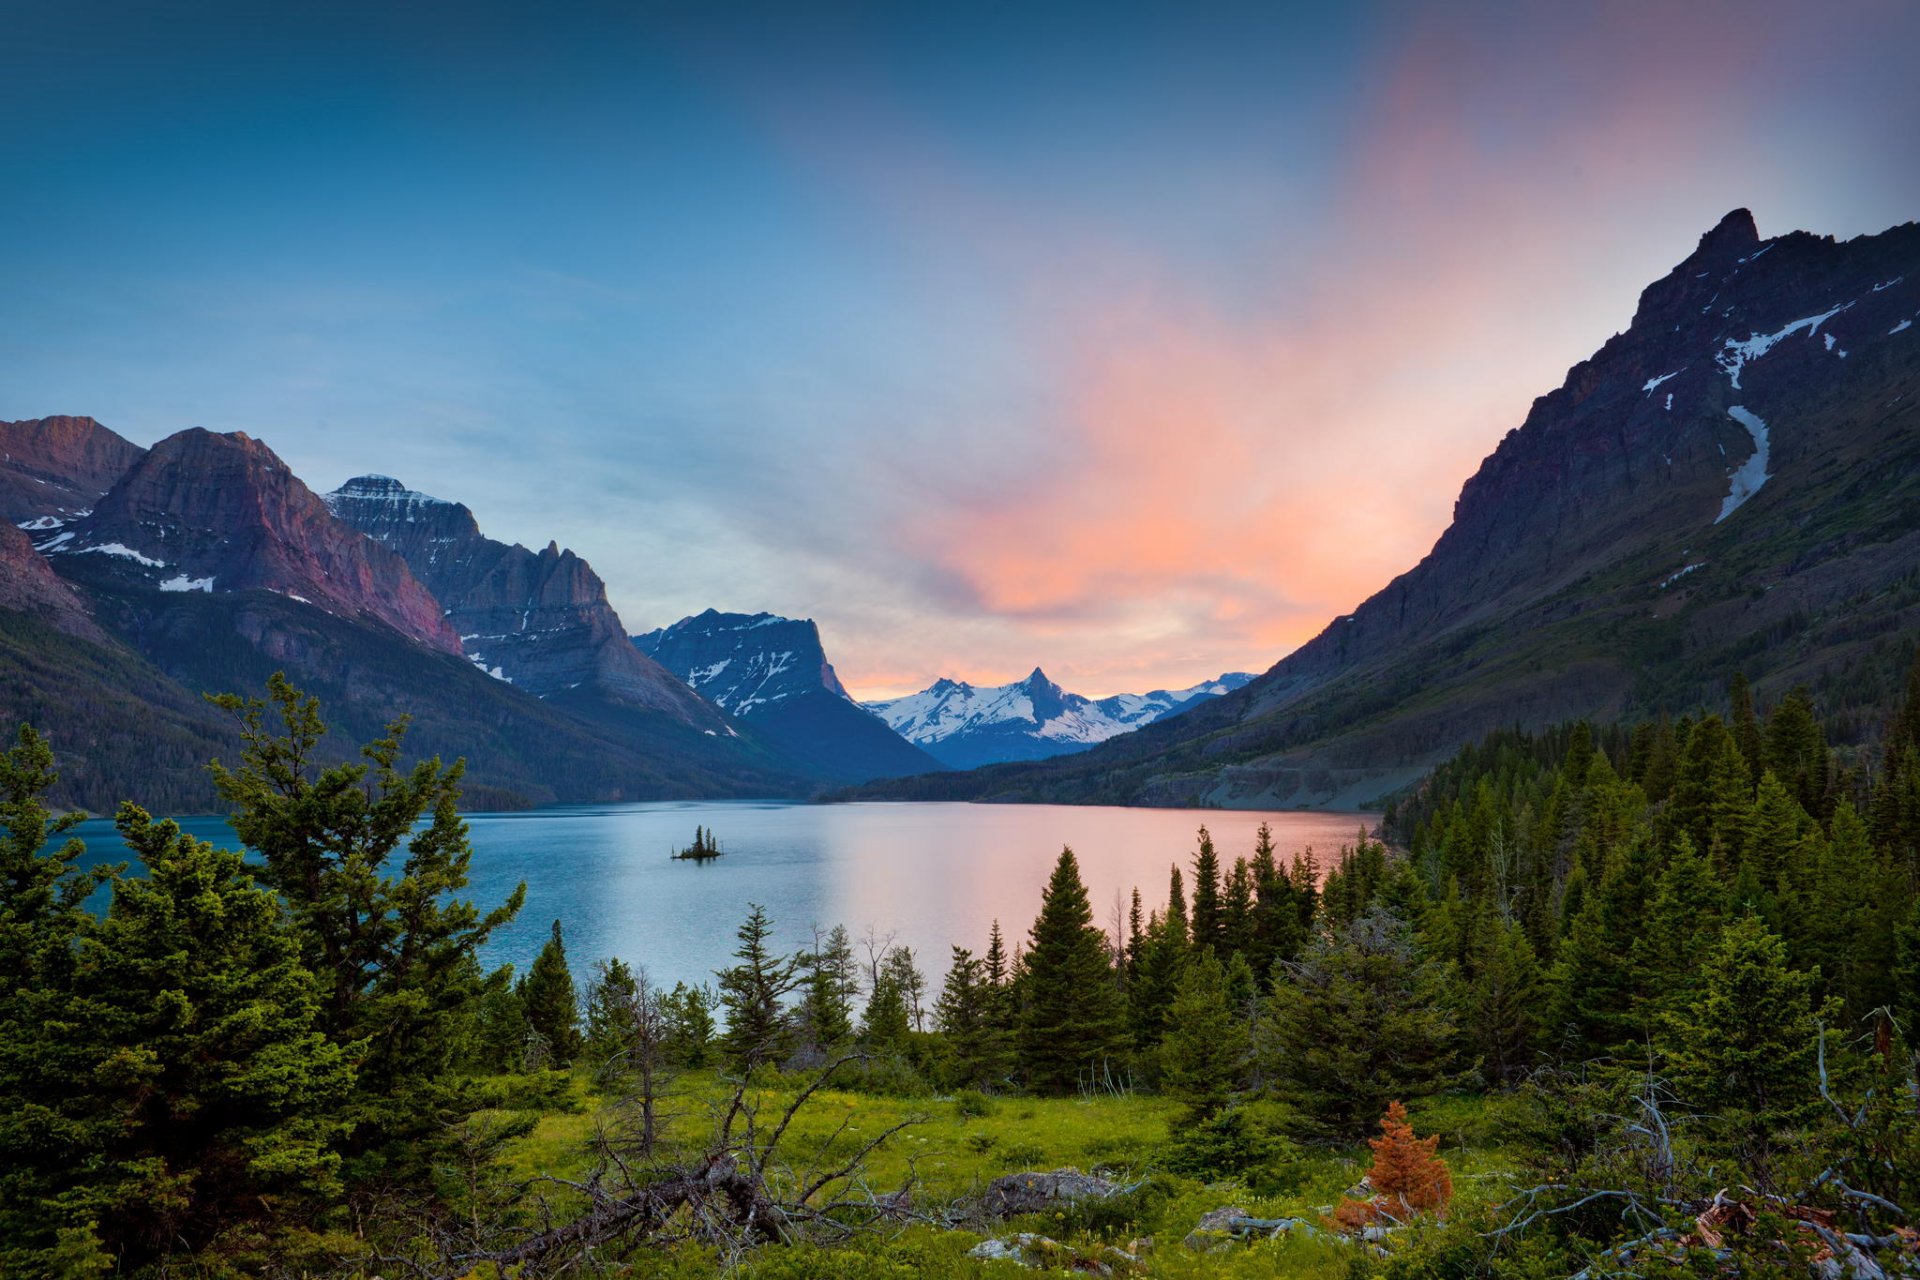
column 1134, row 342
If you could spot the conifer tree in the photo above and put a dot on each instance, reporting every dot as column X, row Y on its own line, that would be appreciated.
column 1236, row 910
column 215, row 1096
column 887, row 1024
column 1681, row 925
column 753, row 992
column 1407, row 1176
column 1072, row 1021
column 611, row 994
column 1179, row 929
column 371, row 890
column 1744, row 1048
column 1207, row 918
column 1746, row 726
column 1502, row 997
column 976, row 1049
column 829, row 980
column 552, row 1009
column 1796, row 751
column 688, row 1012
column 1359, row 1020
column 1205, row 1051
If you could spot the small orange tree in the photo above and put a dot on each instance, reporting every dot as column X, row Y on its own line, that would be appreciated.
column 1407, row 1177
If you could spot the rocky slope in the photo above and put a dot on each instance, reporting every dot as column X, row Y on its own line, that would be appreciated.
column 1731, row 484
column 54, row 469
column 965, row 726
column 207, row 565
column 772, row 673
column 538, row 620
column 205, row 512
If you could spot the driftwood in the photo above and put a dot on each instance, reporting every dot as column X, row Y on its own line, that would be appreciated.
column 737, row 1194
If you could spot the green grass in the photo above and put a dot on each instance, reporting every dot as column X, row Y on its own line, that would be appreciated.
column 953, row 1152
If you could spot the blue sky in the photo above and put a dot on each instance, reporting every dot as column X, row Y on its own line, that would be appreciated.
column 988, row 335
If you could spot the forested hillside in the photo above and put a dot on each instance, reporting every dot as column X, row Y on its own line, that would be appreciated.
column 1654, row 991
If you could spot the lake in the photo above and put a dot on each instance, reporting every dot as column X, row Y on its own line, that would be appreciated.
column 932, row 875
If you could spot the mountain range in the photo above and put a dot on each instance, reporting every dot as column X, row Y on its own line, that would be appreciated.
column 772, row 672
column 134, row 580
column 964, row 726
column 1731, row 484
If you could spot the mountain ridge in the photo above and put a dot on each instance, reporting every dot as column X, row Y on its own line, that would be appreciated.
column 1603, row 560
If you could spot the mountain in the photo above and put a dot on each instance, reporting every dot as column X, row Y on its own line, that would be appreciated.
column 964, row 726
column 54, row 469
column 207, row 565
column 1732, row 484
column 537, row 620
column 773, row 674
column 204, row 512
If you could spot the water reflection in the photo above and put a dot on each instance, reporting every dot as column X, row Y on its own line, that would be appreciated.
column 932, row 875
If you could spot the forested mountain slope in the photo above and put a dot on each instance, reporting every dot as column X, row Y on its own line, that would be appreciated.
column 1731, row 484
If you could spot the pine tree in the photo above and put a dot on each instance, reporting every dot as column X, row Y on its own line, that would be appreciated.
column 1796, row 751
column 1073, row 1019
column 689, row 1024
column 829, row 979
column 1207, row 919
column 1407, row 1176
column 1746, row 726
column 1681, row 925
column 885, row 1028
column 976, row 1049
column 1205, row 1051
column 371, row 890
column 1236, row 910
column 609, row 1012
column 1744, row 1047
column 42, row 889
column 215, row 1095
column 753, row 991
column 547, row 994
column 1502, row 996
column 1356, row 1022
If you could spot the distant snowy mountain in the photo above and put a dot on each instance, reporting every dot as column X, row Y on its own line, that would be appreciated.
column 773, row 673
column 964, row 725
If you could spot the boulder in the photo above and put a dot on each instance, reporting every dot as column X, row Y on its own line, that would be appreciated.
column 1036, row 1192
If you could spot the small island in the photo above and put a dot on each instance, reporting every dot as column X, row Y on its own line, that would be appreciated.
column 703, row 849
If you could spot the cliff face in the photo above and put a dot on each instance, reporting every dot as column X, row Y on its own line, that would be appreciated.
column 772, row 672
column 539, row 620
column 1732, row 484
column 29, row 584
column 53, row 468
column 204, row 512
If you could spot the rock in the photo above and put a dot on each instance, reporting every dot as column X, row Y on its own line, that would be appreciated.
column 1035, row 1192
column 539, row 620
column 1028, row 1249
column 1214, row 1233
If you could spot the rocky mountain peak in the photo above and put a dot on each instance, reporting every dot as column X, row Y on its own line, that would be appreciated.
column 207, row 511
column 51, row 469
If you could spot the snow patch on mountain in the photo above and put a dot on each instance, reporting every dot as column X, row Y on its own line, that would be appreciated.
column 1036, row 711
column 1737, row 354
column 1753, row 472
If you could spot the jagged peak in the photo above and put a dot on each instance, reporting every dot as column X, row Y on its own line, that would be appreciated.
column 376, row 487
column 1735, row 231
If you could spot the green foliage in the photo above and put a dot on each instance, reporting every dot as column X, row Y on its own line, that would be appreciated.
column 369, row 888
column 1744, row 1046
column 758, row 1029
column 1074, row 1018
column 1205, row 1053
column 1358, row 1021
column 552, row 1010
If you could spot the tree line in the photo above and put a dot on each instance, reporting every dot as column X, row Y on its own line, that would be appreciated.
column 1715, row 916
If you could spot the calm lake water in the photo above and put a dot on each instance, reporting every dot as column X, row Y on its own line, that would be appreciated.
column 932, row 875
